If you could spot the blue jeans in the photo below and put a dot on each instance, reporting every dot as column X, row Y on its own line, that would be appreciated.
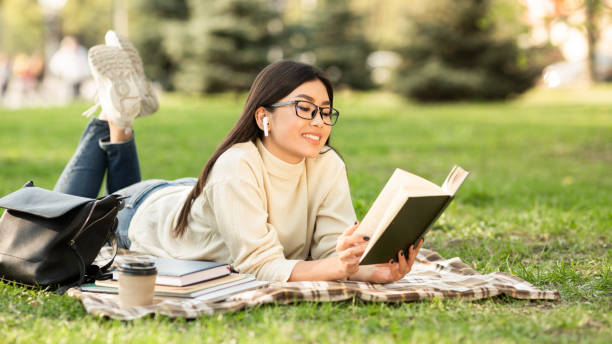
column 137, row 194
column 95, row 156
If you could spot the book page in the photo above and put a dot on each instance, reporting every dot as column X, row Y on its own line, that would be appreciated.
column 374, row 215
column 450, row 174
column 454, row 180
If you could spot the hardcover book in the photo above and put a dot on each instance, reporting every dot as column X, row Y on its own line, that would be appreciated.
column 406, row 208
column 227, row 292
column 180, row 272
column 190, row 291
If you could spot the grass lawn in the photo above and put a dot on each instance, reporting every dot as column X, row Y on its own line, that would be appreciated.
column 538, row 204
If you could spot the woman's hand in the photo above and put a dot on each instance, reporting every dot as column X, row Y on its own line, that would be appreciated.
column 390, row 272
column 350, row 248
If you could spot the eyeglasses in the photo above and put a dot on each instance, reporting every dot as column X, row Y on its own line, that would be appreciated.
column 308, row 110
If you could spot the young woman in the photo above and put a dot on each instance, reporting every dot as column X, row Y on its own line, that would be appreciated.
column 272, row 201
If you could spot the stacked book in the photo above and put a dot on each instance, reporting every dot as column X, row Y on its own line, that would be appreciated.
column 208, row 281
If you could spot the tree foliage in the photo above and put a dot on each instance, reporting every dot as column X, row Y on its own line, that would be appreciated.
column 21, row 26
column 453, row 53
column 338, row 43
column 88, row 20
column 149, row 20
column 220, row 45
column 223, row 44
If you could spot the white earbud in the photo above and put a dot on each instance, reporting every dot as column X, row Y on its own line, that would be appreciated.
column 265, row 125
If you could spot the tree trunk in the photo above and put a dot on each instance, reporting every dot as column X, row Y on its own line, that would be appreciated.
column 592, row 14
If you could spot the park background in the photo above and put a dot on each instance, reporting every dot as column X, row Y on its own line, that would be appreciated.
column 514, row 91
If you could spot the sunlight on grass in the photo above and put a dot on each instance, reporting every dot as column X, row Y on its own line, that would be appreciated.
column 598, row 94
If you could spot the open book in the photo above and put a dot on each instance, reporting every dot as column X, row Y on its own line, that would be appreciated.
column 404, row 211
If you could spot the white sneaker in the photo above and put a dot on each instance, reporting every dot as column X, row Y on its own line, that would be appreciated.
column 117, row 90
column 148, row 103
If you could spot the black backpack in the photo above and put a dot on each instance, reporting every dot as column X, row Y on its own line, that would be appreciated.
column 48, row 238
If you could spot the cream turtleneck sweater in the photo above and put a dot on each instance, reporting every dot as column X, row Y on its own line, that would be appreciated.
column 258, row 213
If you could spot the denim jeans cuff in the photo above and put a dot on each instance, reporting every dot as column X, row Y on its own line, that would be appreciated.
column 99, row 122
column 105, row 143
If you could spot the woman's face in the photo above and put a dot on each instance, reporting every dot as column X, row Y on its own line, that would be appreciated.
column 292, row 138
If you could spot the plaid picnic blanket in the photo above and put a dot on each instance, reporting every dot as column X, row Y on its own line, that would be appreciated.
column 432, row 276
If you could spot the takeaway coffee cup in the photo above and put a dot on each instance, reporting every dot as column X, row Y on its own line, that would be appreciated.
column 136, row 283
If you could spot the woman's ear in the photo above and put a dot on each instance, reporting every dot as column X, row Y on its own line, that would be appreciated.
column 260, row 113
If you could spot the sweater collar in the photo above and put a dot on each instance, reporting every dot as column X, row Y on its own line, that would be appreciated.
column 277, row 166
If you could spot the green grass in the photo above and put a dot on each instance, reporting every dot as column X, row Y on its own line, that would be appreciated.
column 538, row 204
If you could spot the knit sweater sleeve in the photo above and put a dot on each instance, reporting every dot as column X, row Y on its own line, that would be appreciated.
column 335, row 215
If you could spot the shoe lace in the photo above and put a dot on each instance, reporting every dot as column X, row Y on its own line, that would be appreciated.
column 89, row 112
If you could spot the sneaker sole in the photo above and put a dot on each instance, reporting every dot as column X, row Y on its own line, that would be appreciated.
column 149, row 104
column 112, row 63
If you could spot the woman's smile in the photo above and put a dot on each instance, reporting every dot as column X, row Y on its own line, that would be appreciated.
column 312, row 138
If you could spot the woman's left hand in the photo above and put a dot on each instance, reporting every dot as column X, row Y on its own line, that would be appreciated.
column 389, row 272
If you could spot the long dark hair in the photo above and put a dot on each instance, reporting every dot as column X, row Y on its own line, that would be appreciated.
column 273, row 83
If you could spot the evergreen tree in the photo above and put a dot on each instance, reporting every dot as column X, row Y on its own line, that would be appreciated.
column 223, row 45
column 339, row 45
column 147, row 31
column 453, row 53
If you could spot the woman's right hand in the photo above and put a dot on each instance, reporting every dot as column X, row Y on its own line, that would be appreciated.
column 350, row 248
